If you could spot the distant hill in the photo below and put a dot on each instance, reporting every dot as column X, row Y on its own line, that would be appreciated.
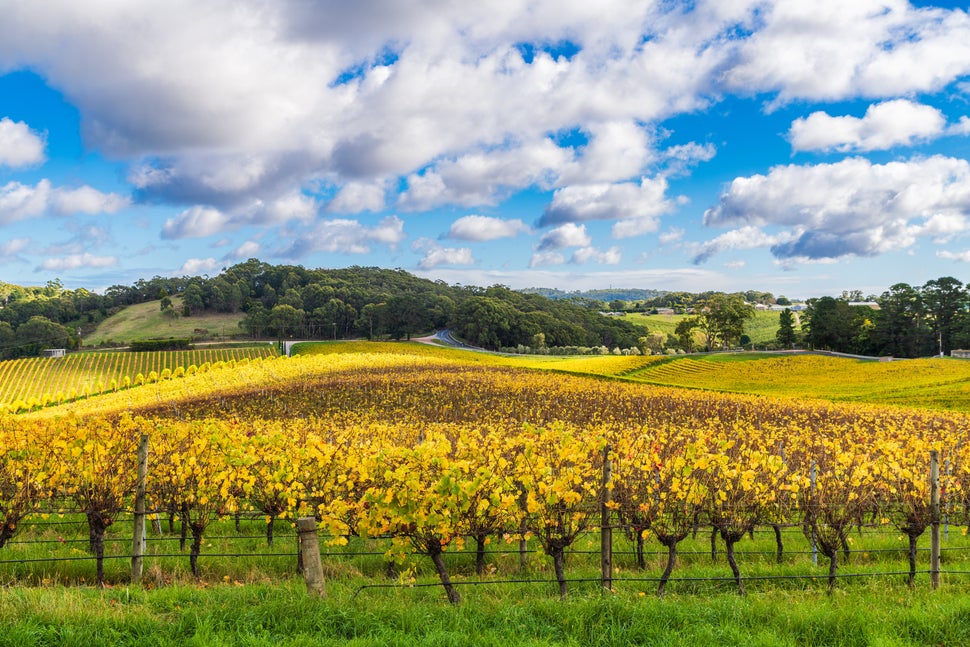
column 611, row 294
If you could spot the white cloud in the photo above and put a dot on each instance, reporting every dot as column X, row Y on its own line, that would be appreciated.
column 78, row 261
column 347, row 237
column 892, row 123
column 567, row 235
column 671, row 236
column 831, row 49
column 549, row 257
column 436, row 255
column 249, row 249
column 485, row 177
column 355, row 197
column 195, row 222
column 963, row 257
column 744, row 238
column 19, row 145
column 852, row 207
column 483, row 228
column 197, row 267
column 86, row 200
column 9, row 249
column 962, row 127
column 20, row 201
column 636, row 206
column 611, row 256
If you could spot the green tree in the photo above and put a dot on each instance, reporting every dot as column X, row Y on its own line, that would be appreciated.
column 945, row 302
column 722, row 319
column 40, row 332
column 786, row 335
column 899, row 330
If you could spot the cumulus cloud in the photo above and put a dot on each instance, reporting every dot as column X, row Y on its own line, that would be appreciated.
column 355, row 197
column 611, row 256
column 893, row 123
column 10, row 250
column 743, row 238
column 78, row 261
column 435, row 255
column 195, row 222
column 637, row 206
column 671, row 236
column 19, row 145
column 484, row 178
column 249, row 249
column 962, row 127
column 20, row 201
column 197, row 267
column 548, row 257
column 852, row 207
column 483, row 228
column 200, row 221
column 829, row 50
column 568, row 235
column 347, row 237
column 963, row 257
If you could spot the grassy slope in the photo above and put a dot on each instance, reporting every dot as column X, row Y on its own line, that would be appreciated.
column 931, row 383
column 761, row 328
column 146, row 321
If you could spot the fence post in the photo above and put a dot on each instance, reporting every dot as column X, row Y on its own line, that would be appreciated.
column 935, row 518
column 606, row 523
column 812, row 477
column 138, row 536
column 306, row 528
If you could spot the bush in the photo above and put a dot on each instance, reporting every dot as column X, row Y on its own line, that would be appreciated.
column 142, row 345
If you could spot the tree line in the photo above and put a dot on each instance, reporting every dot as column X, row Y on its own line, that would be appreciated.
column 287, row 301
column 908, row 321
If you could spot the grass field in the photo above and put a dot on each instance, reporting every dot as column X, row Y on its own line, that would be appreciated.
column 761, row 328
column 146, row 321
column 939, row 383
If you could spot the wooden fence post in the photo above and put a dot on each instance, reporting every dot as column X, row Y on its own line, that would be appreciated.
column 306, row 528
column 812, row 478
column 138, row 536
column 606, row 522
column 935, row 518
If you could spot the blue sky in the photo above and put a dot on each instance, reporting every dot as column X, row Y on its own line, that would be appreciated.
column 802, row 148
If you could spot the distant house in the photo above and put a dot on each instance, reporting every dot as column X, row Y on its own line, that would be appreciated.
column 53, row 352
column 961, row 353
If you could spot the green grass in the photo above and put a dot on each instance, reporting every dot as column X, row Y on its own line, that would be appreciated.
column 146, row 321
column 258, row 600
column 761, row 328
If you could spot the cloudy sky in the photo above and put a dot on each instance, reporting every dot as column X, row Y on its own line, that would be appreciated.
column 797, row 147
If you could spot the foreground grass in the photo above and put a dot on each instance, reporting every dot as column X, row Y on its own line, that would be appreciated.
column 284, row 614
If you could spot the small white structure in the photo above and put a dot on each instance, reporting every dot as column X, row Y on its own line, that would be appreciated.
column 53, row 352
column 959, row 352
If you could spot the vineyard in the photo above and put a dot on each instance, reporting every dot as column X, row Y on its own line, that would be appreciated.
column 426, row 454
column 38, row 381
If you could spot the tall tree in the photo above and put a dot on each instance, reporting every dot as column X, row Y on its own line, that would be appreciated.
column 786, row 334
column 899, row 330
column 945, row 302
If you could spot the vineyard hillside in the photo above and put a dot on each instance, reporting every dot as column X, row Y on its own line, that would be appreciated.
column 43, row 380
column 147, row 321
